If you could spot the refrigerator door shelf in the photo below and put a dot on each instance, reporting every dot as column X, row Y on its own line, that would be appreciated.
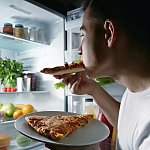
column 74, row 25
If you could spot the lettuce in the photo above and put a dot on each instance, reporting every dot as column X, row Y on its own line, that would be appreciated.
column 104, row 80
column 59, row 85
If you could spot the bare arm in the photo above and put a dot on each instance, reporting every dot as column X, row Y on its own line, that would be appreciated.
column 80, row 84
column 108, row 105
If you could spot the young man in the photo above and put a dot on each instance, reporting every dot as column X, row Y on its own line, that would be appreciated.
column 116, row 44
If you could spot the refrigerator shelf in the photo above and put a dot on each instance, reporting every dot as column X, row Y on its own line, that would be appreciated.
column 30, row 92
column 10, row 42
column 9, row 129
column 11, row 122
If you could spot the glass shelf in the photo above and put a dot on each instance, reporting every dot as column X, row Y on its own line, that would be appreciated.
column 30, row 92
column 10, row 42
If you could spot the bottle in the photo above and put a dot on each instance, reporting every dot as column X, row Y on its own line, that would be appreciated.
column 106, row 144
column 19, row 31
column 8, row 28
column 19, row 84
column 26, row 34
column 78, row 105
column 89, row 107
column 32, row 77
column 33, row 34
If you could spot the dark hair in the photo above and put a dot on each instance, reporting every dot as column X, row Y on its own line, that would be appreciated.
column 130, row 15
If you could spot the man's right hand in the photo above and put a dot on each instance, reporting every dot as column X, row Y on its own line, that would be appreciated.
column 78, row 83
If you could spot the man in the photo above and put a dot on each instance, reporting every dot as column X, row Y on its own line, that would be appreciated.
column 116, row 44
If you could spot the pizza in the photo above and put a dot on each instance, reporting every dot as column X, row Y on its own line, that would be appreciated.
column 59, row 126
column 67, row 68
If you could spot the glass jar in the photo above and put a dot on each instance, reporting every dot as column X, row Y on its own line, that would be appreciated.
column 8, row 28
column 89, row 107
column 19, row 31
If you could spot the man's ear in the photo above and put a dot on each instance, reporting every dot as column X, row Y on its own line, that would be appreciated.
column 110, row 34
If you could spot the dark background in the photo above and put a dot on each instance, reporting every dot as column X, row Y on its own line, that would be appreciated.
column 61, row 6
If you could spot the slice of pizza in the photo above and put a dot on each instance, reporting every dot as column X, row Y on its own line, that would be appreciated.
column 60, row 126
column 67, row 68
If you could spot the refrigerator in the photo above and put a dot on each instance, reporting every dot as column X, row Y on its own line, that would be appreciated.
column 59, row 44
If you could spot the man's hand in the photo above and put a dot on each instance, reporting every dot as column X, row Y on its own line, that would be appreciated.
column 78, row 83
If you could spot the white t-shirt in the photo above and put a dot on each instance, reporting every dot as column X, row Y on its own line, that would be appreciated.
column 134, row 121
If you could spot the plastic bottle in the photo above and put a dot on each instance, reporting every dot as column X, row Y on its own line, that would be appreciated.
column 89, row 107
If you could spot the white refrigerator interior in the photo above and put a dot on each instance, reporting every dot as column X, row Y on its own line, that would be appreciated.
column 33, row 54
column 36, row 52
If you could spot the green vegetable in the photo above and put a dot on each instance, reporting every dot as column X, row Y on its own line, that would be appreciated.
column 103, row 81
column 23, row 140
column 59, row 85
column 9, row 71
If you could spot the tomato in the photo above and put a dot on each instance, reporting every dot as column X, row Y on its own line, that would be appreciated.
column 13, row 89
column 8, row 89
column 17, row 114
column 4, row 89
column 27, row 109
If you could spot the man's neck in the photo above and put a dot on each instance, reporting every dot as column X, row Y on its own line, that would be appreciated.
column 135, row 84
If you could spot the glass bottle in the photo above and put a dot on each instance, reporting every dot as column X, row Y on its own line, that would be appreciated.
column 78, row 105
column 89, row 107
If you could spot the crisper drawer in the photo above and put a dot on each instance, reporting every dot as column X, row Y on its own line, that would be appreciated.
column 17, row 140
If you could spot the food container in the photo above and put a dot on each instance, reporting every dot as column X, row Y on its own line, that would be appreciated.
column 8, row 28
column 4, row 141
column 9, row 136
column 19, row 31
column 22, row 140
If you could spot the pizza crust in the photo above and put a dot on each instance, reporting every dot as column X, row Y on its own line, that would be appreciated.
column 67, row 68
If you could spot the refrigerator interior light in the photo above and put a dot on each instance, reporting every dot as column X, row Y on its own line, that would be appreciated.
column 20, row 9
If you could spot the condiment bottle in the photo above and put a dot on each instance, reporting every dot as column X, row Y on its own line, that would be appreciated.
column 8, row 28
column 89, row 107
column 32, row 76
column 19, row 31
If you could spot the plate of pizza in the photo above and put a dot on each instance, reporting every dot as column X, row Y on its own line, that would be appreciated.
column 62, row 128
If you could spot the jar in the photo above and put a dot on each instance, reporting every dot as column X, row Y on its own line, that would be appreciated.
column 8, row 28
column 19, row 31
column 89, row 107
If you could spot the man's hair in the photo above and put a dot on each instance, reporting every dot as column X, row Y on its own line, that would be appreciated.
column 133, row 16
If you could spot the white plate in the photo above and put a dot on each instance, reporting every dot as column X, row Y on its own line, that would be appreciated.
column 94, row 132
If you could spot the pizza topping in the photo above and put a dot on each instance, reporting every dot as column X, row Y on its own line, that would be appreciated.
column 58, row 127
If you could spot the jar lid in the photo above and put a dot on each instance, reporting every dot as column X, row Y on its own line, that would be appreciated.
column 88, row 100
column 18, row 25
column 7, row 24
